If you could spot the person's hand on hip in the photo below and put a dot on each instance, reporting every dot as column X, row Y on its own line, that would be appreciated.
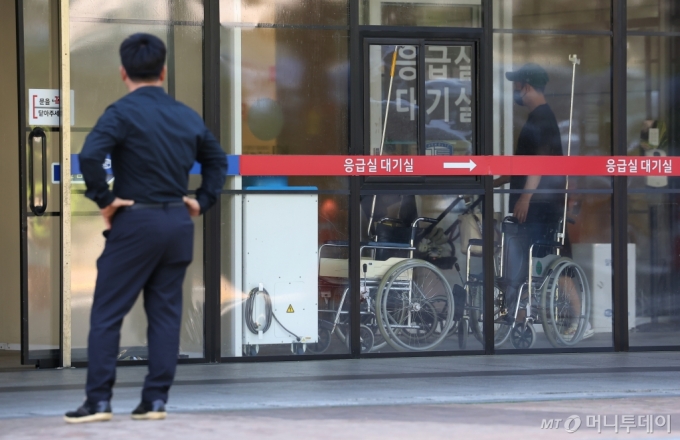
column 193, row 206
column 110, row 210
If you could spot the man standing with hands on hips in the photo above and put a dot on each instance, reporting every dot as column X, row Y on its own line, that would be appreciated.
column 153, row 142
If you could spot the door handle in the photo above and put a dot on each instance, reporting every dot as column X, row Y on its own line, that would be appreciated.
column 37, row 133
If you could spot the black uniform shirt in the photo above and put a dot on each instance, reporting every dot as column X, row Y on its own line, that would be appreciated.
column 540, row 136
column 153, row 141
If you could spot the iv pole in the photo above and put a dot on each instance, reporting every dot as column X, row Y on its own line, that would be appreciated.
column 382, row 141
column 574, row 61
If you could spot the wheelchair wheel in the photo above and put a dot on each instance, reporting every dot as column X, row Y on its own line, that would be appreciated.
column 415, row 306
column 377, row 342
column 323, row 343
column 366, row 338
column 565, row 303
column 501, row 331
column 523, row 336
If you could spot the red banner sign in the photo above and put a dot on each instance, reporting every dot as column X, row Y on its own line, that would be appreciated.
column 260, row 165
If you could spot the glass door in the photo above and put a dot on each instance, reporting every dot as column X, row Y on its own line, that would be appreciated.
column 40, row 187
column 62, row 229
column 421, row 98
column 421, row 236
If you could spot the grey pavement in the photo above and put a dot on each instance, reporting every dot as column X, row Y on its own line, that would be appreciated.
column 503, row 396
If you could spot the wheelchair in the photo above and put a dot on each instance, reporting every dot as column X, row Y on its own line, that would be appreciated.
column 533, row 285
column 406, row 302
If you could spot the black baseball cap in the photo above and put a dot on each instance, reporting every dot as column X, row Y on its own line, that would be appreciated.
column 531, row 74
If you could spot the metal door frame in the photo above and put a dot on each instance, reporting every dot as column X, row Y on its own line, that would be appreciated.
column 360, row 37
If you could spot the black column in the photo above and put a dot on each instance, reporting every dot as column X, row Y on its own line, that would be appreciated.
column 620, row 196
column 211, row 219
column 355, row 147
column 486, row 142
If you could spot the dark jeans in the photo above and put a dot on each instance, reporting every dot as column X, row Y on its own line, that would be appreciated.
column 149, row 250
column 518, row 242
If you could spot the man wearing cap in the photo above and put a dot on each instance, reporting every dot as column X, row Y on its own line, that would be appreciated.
column 153, row 142
column 540, row 135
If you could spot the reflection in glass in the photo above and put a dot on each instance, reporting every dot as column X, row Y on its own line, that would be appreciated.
column 421, row 273
column 87, row 245
column 591, row 125
column 294, row 91
column 553, row 14
column 653, row 207
column 284, row 91
column 446, row 13
column 450, row 100
column 653, row 15
column 44, row 305
column 285, row 12
column 162, row 10
column 96, row 81
column 393, row 92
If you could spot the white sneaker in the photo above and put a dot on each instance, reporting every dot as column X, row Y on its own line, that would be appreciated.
column 589, row 332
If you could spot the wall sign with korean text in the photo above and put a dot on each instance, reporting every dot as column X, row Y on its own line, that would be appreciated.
column 449, row 100
column 44, row 107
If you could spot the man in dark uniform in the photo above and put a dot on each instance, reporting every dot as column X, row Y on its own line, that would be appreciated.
column 540, row 212
column 153, row 142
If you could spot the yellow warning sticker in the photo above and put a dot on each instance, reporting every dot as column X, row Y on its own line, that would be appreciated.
column 290, row 309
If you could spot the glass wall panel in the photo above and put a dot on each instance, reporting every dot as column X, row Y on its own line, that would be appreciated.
column 449, row 102
column 451, row 96
column 285, row 12
column 87, row 244
column 96, row 35
column 552, row 293
column 285, row 91
column 421, row 273
column 653, row 203
column 653, row 15
column 570, row 300
column 393, row 88
column 446, row 13
column 553, row 14
column 544, row 61
column 44, row 270
column 161, row 10
column 285, row 272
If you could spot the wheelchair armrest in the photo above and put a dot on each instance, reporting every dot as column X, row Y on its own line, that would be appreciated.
column 393, row 220
column 385, row 245
column 337, row 243
column 480, row 242
column 423, row 219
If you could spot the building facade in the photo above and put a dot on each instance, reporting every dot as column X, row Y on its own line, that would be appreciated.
column 308, row 267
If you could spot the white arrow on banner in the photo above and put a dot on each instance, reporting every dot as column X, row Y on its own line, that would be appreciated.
column 470, row 165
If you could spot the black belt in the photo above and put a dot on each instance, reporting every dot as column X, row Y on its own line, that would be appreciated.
column 137, row 206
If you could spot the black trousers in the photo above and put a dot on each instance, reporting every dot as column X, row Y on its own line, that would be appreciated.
column 149, row 250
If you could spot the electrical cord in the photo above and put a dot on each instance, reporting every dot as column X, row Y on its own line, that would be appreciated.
column 253, row 326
